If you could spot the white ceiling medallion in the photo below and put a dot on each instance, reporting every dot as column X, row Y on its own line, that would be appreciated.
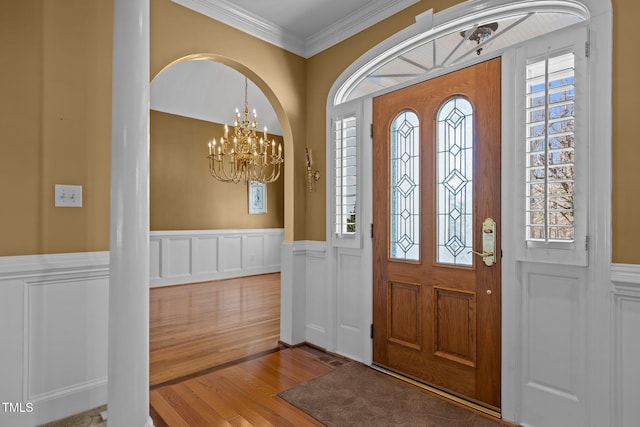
column 333, row 32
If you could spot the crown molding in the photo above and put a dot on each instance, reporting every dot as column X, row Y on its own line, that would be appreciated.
column 361, row 19
column 250, row 23
column 227, row 13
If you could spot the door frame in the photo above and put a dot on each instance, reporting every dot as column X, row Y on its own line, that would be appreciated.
column 598, row 373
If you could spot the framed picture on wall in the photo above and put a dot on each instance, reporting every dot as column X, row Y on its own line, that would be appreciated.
column 257, row 197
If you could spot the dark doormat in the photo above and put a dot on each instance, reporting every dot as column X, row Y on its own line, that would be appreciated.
column 356, row 395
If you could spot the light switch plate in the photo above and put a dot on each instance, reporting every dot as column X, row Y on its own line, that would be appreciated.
column 68, row 196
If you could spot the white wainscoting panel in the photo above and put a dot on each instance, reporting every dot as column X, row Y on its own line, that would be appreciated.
column 293, row 288
column 66, row 328
column 554, row 345
column 272, row 240
column 206, row 255
column 350, row 309
column 304, row 296
column 156, row 257
column 317, row 295
column 626, row 344
column 232, row 253
column 54, row 312
column 179, row 257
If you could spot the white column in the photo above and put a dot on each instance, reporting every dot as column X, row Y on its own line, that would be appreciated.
column 128, row 376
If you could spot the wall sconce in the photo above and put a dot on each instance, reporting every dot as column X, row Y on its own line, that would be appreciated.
column 312, row 175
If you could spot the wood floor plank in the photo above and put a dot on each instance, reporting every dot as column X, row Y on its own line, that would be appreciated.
column 240, row 422
column 210, row 392
column 236, row 401
column 165, row 410
column 259, row 408
column 190, row 402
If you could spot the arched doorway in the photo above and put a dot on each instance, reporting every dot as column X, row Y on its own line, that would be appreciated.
column 203, row 230
column 434, row 46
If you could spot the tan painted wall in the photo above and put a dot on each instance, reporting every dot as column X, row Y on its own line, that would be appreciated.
column 184, row 196
column 626, row 139
column 20, row 127
column 55, row 113
column 55, row 124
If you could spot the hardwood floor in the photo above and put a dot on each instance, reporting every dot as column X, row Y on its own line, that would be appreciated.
column 215, row 359
column 241, row 395
column 199, row 326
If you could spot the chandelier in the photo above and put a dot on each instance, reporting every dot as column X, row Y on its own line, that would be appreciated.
column 245, row 156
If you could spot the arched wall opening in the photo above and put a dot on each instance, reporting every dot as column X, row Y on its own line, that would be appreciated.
column 287, row 134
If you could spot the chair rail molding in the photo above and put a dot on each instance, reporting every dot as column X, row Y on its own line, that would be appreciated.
column 626, row 276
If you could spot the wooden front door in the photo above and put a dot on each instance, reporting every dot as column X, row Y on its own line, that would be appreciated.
column 436, row 175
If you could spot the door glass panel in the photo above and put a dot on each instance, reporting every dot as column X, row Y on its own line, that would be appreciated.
column 405, row 187
column 454, row 182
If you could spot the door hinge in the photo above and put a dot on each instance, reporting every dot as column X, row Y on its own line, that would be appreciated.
column 372, row 331
column 586, row 243
column 372, row 230
column 587, row 48
column 371, row 130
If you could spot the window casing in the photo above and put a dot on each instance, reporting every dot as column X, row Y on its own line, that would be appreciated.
column 552, row 148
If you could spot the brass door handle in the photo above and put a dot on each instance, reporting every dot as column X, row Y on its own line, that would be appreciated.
column 482, row 254
column 488, row 242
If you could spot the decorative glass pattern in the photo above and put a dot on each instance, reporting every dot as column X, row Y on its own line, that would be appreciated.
column 550, row 149
column 405, row 187
column 454, row 182
column 346, row 175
